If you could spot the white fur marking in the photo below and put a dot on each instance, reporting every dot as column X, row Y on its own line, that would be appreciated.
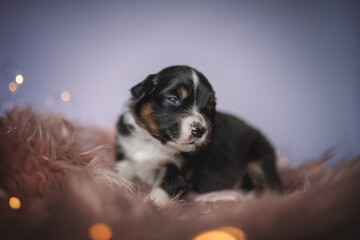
column 195, row 79
column 226, row 195
column 185, row 133
column 125, row 169
column 158, row 196
column 144, row 154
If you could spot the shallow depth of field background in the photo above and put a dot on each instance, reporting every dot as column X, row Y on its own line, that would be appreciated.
column 290, row 68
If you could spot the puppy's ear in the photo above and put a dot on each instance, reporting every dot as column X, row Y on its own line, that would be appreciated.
column 144, row 88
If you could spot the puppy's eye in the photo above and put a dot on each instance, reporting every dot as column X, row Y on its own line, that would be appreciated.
column 174, row 100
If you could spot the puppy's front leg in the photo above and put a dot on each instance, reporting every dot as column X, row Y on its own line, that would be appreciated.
column 170, row 184
column 125, row 169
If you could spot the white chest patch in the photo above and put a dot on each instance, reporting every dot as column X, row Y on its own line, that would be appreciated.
column 144, row 154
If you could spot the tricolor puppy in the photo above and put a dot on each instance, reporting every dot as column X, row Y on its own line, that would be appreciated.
column 171, row 137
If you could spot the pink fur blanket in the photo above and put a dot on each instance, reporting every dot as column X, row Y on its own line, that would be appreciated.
column 64, row 177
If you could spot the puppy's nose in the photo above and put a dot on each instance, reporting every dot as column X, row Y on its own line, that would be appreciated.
column 197, row 131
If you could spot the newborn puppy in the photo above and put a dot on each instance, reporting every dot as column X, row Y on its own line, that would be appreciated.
column 171, row 137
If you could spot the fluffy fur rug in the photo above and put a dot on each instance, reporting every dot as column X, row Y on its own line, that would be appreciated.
column 63, row 175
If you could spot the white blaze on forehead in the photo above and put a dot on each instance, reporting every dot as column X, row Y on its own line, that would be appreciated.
column 195, row 79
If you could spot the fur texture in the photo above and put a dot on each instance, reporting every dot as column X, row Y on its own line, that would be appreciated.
column 171, row 137
column 65, row 179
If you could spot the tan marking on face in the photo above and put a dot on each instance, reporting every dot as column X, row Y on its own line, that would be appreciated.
column 183, row 92
column 147, row 117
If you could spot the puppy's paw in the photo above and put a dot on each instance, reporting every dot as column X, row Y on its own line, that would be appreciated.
column 158, row 196
column 225, row 195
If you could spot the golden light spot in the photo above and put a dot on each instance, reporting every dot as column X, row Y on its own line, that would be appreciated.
column 65, row 96
column 100, row 231
column 14, row 203
column 19, row 79
column 237, row 233
column 12, row 86
column 214, row 235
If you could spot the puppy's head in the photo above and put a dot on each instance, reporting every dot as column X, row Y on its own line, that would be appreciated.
column 176, row 106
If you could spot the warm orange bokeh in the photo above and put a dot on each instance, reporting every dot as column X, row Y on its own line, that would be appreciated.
column 12, row 86
column 224, row 233
column 214, row 235
column 14, row 203
column 100, row 231
column 237, row 233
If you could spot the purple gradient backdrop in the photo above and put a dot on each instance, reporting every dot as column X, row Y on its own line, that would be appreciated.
column 290, row 68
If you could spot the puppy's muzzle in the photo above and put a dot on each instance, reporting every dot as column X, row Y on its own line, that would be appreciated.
column 197, row 131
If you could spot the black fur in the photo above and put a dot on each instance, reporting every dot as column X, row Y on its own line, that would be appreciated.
column 143, row 89
column 234, row 145
column 174, row 181
column 233, row 154
column 158, row 88
column 123, row 128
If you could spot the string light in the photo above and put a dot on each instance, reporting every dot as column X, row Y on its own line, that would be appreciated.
column 19, row 79
column 14, row 203
column 65, row 96
column 12, row 86
column 223, row 233
column 100, row 231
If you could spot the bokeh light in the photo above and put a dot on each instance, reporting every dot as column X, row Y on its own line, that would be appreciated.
column 12, row 86
column 223, row 233
column 14, row 203
column 237, row 233
column 100, row 231
column 19, row 79
column 214, row 235
column 65, row 96
column 284, row 162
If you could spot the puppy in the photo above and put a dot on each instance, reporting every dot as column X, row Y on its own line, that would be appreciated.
column 171, row 137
